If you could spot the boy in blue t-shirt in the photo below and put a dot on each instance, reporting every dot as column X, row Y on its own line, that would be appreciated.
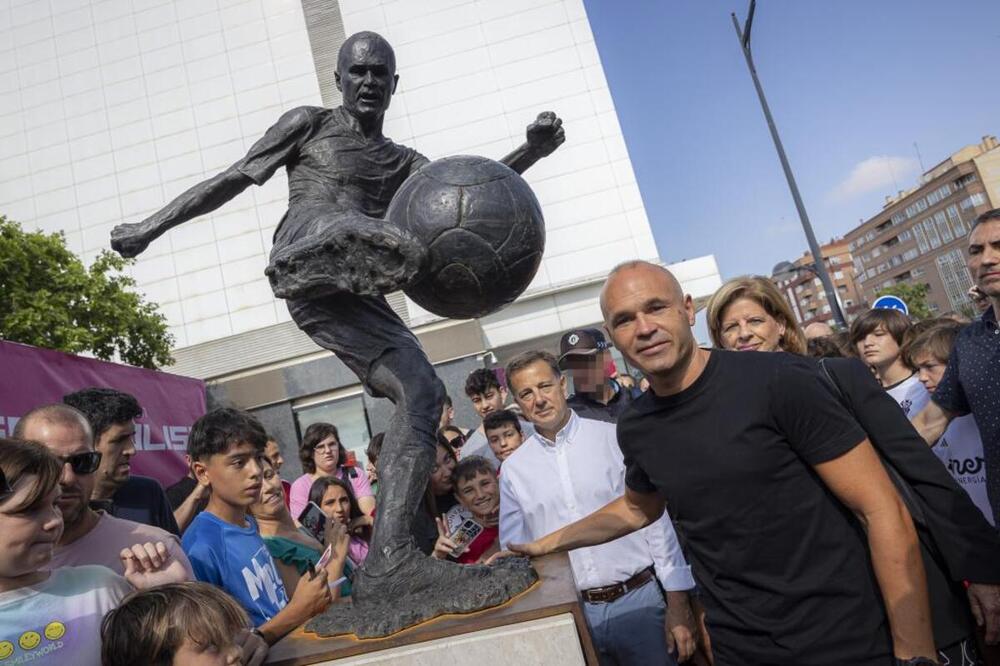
column 222, row 542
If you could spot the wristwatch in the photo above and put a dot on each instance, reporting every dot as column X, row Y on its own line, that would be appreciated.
column 917, row 661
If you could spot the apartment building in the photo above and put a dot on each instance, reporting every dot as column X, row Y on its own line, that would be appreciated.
column 920, row 234
column 804, row 291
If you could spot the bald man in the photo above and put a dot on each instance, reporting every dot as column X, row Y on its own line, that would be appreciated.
column 818, row 329
column 758, row 462
column 89, row 536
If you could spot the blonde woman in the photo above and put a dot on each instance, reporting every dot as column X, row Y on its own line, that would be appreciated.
column 750, row 314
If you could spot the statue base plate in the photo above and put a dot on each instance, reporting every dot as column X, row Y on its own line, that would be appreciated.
column 551, row 604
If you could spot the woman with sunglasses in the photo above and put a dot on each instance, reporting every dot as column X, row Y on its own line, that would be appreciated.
column 322, row 454
column 52, row 615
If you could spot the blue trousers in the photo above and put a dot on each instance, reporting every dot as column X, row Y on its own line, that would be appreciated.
column 631, row 630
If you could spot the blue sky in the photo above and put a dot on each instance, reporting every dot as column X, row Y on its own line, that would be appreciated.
column 852, row 85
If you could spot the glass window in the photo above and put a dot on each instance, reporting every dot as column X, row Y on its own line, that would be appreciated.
column 921, row 237
column 348, row 414
column 905, row 235
column 956, row 221
column 942, row 225
column 956, row 278
column 932, row 233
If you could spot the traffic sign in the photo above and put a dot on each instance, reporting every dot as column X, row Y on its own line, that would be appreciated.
column 890, row 302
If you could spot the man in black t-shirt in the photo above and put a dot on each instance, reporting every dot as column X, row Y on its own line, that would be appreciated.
column 773, row 489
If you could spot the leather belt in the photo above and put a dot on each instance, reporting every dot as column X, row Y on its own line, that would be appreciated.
column 609, row 593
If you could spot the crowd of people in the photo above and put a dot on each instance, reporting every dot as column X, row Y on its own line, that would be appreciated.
column 830, row 501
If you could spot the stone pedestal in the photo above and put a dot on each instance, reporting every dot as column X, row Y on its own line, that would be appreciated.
column 544, row 625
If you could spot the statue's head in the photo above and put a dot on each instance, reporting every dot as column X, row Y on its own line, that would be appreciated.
column 366, row 74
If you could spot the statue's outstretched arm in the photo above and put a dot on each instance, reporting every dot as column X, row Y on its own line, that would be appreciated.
column 131, row 239
column 543, row 137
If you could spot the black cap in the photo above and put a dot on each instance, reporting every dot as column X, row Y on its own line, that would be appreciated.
column 582, row 342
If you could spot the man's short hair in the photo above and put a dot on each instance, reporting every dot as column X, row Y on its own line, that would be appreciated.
column 480, row 381
column 149, row 626
column 104, row 407
column 524, row 359
column 500, row 419
column 986, row 217
column 895, row 322
column 937, row 341
column 469, row 468
column 55, row 414
column 222, row 428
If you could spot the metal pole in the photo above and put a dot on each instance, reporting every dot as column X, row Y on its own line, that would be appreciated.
column 824, row 276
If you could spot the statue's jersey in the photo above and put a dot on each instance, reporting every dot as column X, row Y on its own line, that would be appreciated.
column 332, row 169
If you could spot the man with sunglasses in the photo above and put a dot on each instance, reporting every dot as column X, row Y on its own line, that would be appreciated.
column 584, row 354
column 89, row 536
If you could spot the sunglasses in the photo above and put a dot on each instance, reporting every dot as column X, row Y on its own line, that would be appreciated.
column 82, row 463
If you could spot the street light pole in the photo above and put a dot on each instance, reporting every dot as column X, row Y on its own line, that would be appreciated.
column 824, row 276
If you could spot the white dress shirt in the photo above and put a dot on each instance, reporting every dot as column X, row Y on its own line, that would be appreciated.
column 547, row 485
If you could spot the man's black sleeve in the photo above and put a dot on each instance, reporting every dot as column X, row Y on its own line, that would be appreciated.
column 968, row 544
column 164, row 515
column 805, row 409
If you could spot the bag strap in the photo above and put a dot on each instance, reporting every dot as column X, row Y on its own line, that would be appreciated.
column 906, row 493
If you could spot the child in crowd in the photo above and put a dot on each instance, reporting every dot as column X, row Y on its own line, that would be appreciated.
column 226, row 446
column 53, row 616
column 336, row 498
column 478, row 495
column 503, row 432
column 960, row 447
column 878, row 337
column 488, row 395
column 293, row 548
column 178, row 625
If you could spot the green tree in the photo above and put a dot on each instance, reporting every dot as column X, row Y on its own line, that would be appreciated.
column 915, row 296
column 50, row 299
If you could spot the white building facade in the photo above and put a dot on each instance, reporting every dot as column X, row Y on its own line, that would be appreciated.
column 114, row 107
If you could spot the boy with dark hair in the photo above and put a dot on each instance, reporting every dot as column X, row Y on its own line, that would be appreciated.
column 488, row 395
column 138, row 498
column 878, row 337
column 478, row 495
column 222, row 542
column 503, row 432
column 960, row 447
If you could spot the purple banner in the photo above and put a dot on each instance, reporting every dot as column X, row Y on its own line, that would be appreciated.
column 31, row 377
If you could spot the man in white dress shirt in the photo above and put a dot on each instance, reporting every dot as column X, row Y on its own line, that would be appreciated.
column 569, row 468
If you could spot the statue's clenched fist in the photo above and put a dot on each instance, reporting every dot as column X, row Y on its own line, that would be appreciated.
column 546, row 134
column 129, row 240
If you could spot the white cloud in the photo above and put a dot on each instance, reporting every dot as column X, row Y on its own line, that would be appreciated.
column 882, row 172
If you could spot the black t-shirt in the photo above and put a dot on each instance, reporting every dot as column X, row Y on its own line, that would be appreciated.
column 141, row 499
column 783, row 566
column 181, row 490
